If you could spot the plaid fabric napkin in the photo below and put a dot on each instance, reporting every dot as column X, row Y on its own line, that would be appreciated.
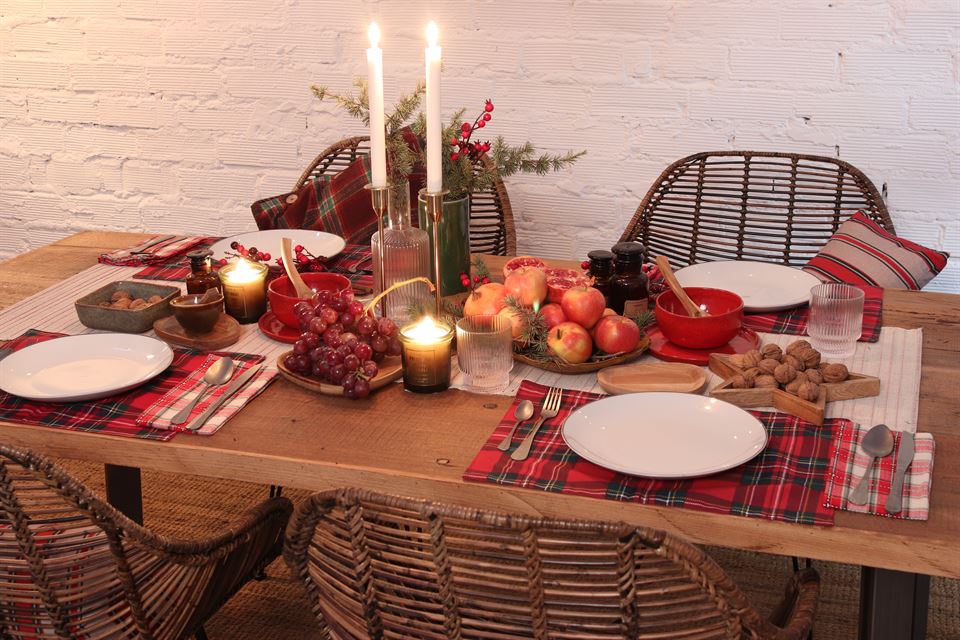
column 785, row 482
column 117, row 415
column 160, row 252
column 848, row 462
column 159, row 414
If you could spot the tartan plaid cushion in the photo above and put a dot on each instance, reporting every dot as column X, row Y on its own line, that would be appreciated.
column 863, row 252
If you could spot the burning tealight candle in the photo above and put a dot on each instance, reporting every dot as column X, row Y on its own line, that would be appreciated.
column 244, row 290
column 426, row 356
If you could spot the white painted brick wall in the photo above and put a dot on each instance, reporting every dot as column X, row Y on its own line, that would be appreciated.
column 176, row 115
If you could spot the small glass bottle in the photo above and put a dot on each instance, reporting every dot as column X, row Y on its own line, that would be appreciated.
column 628, row 287
column 201, row 275
column 406, row 252
column 601, row 269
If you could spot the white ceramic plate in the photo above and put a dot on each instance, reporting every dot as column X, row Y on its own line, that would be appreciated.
column 319, row 243
column 664, row 435
column 83, row 367
column 762, row 285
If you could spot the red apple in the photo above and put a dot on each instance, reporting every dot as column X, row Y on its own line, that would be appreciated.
column 517, row 325
column 485, row 300
column 570, row 342
column 616, row 334
column 552, row 314
column 583, row 305
column 528, row 285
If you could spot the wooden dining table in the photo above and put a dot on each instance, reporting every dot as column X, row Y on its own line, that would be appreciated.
column 419, row 445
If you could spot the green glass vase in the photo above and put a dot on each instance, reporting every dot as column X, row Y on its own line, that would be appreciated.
column 454, row 242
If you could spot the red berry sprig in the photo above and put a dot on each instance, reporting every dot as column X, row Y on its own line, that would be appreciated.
column 305, row 261
column 464, row 147
column 472, row 283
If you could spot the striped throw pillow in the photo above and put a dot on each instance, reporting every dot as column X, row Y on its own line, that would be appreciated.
column 863, row 252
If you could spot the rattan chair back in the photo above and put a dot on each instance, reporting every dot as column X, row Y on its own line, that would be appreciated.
column 491, row 218
column 751, row 205
column 71, row 566
column 378, row 566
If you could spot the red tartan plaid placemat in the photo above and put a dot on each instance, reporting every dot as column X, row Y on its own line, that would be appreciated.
column 160, row 252
column 848, row 463
column 787, row 481
column 116, row 415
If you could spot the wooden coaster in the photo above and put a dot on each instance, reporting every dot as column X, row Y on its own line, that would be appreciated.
column 224, row 333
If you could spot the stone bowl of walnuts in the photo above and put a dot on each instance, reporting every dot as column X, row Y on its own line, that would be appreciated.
column 126, row 306
column 792, row 379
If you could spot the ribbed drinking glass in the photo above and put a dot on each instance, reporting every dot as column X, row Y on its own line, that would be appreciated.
column 836, row 319
column 485, row 351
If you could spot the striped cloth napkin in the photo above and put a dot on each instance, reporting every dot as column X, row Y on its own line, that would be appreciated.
column 132, row 257
column 848, row 462
column 159, row 414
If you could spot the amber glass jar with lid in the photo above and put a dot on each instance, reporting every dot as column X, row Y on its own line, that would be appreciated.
column 201, row 275
column 629, row 292
column 601, row 269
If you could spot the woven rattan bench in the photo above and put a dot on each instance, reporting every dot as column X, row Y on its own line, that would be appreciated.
column 71, row 566
column 491, row 218
column 751, row 205
column 376, row 566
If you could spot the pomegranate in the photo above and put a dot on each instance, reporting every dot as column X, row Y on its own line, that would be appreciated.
column 485, row 300
column 616, row 334
column 521, row 261
column 583, row 305
column 559, row 280
column 570, row 342
column 528, row 285
column 552, row 314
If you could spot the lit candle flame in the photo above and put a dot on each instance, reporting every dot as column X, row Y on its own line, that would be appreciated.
column 243, row 271
column 374, row 33
column 432, row 34
column 425, row 331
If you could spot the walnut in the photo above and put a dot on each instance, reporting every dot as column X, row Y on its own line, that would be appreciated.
column 751, row 358
column 750, row 375
column 766, row 382
column 795, row 345
column 138, row 303
column 810, row 357
column 794, row 385
column 784, row 373
column 120, row 295
column 814, row 376
column 772, row 351
column 794, row 362
column 104, row 303
column 739, row 382
column 737, row 360
column 809, row 391
column 122, row 303
column 834, row 372
column 767, row 365
column 154, row 298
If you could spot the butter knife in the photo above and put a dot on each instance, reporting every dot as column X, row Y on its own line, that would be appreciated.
column 904, row 458
column 236, row 386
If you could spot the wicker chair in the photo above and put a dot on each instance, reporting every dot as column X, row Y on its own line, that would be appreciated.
column 71, row 566
column 377, row 566
column 491, row 218
column 751, row 205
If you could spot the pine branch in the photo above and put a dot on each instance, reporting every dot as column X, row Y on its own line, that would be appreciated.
column 405, row 108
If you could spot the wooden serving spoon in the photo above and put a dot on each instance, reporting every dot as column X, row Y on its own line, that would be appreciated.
column 691, row 307
column 286, row 251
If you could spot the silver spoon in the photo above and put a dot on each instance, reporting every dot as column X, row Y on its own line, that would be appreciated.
column 877, row 443
column 219, row 373
column 524, row 412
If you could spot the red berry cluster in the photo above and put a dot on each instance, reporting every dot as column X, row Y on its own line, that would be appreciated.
column 463, row 146
column 472, row 283
column 305, row 261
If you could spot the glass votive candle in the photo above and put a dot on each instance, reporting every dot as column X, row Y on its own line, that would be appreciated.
column 426, row 356
column 244, row 290
column 485, row 351
column 836, row 319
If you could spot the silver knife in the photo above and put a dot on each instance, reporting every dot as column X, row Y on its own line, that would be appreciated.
column 904, row 458
column 236, row 386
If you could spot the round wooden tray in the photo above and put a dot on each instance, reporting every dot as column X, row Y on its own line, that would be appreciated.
column 585, row 367
column 390, row 370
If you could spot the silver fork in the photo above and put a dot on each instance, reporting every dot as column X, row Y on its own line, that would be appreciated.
column 550, row 409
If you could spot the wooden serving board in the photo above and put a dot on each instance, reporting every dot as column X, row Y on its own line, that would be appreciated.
column 663, row 376
column 588, row 366
column 856, row 386
column 225, row 332
column 390, row 369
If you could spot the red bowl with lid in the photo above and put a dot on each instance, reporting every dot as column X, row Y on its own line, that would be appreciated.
column 283, row 296
column 725, row 309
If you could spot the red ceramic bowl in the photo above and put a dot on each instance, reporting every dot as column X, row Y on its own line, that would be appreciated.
column 715, row 330
column 282, row 296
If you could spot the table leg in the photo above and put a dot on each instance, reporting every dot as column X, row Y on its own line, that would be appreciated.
column 123, row 490
column 893, row 604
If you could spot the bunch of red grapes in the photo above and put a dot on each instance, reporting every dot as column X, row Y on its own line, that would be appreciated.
column 341, row 344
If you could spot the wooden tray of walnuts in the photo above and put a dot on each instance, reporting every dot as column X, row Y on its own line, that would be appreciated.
column 793, row 380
